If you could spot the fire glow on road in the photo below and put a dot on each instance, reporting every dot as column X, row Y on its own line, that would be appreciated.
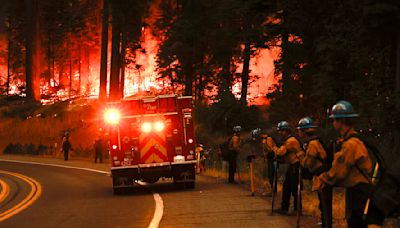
column 34, row 194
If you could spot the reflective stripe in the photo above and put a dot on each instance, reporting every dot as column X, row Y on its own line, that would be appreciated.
column 151, row 165
column 184, row 162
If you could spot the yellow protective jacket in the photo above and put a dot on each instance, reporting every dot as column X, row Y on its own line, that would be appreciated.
column 235, row 143
column 198, row 150
column 315, row 156
column 290, row 150
column 348, row 163
column 266, row 141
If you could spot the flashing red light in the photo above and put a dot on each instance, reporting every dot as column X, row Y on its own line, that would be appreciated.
column 190, row 141
column 114, row 147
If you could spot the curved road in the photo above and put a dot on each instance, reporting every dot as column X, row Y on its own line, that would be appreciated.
column 73, row 198
column 80, row 198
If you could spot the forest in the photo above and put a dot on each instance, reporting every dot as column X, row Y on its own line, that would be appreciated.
column 322, row 52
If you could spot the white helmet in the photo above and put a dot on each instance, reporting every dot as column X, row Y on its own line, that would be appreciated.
column 237, row 129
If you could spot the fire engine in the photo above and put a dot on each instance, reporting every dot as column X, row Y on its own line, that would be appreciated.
column 150, row 138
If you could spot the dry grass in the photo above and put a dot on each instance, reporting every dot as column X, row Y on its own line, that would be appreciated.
column 310, row 199
column 50, row 130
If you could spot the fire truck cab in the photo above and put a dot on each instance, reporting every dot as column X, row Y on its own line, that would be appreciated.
column 149, row 138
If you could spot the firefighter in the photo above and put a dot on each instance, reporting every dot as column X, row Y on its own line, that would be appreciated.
column 290, row 151
column 315, row 162
column 200, row 157
column 269, row 158
column 351, row 168
column 99, row 146
column 66, row 146
column 255, row 143
column 234, row 148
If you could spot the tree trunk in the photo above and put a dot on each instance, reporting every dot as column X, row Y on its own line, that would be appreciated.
column 8, row 64
column 48, row 77
column 397, row 92
column 115, row 61
column 123, row 53
column 85, row 65
column 53, row 66
column 61, row 80
column 70, row 67
column 32, row 51
column 200, row 89
column 285, row 73
column 79, row 68
column 224, row 86
column 189, row 79
column 245, row 73
column 104, row 50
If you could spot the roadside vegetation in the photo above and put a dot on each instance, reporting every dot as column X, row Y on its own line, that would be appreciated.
column 27, row 128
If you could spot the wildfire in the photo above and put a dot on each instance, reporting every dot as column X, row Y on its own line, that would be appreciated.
column 141, row 76
column 16, row 87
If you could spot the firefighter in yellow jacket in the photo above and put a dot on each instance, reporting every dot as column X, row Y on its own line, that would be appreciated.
column 316, row 162
column 290, row 151
column 234, row 149
column 269, row 159
column 199, row 151
column 351, row 168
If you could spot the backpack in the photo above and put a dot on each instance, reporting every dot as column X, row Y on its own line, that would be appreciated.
column 375, row 156
column 385, row 191
column 327, row 163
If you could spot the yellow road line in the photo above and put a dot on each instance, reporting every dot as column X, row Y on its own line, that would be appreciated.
column 5, row 190
column 34, row 194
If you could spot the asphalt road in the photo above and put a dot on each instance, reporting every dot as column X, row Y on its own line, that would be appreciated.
column 80, row 198
column 73, row 198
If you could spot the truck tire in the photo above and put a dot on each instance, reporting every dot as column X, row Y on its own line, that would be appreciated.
column 118, row 191
column 117, row 182
column 190, row 185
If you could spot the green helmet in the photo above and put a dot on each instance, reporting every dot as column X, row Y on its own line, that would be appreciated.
column 306, row 123
column 343, row 109
column 283, row 125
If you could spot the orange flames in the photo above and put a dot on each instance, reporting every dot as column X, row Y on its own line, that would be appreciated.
column 141, row 77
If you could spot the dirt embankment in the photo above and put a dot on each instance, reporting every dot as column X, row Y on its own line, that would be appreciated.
column 41, row 132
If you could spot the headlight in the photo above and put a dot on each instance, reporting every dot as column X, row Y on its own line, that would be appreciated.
column 112, row 116
column 159, row 126
column 146, row 127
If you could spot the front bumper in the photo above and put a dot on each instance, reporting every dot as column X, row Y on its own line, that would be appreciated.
column 143, row 171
